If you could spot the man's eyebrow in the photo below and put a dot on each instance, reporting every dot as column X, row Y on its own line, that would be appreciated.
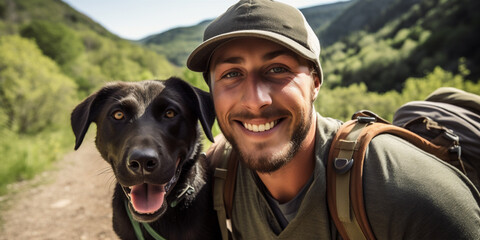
column 277, row 53
column 231, row 60
column 266, row 57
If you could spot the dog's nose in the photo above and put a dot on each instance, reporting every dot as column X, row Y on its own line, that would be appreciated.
column 143, row 161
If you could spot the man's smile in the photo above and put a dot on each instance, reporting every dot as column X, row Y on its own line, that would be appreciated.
column 260, row 127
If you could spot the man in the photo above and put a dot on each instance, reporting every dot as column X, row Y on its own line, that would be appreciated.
column 261, row 62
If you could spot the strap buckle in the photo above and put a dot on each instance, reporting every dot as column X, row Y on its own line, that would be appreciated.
column 342, row 165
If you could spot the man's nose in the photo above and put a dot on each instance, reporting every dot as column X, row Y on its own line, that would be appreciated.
column 256, row 94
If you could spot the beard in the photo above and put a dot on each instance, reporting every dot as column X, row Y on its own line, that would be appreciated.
column 264, row 163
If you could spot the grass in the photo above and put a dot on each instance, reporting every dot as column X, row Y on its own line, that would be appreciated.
column 22, row 157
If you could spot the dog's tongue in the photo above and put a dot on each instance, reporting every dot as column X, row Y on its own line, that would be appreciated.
column 147, row 198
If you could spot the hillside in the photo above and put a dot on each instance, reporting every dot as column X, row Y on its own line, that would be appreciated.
column 320, row 17
column 16, row 13
column 100, row 55
column 177, row 44
column 377, row 42
column 407, row 39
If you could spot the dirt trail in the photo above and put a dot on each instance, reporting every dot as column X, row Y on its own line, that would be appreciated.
column 72, row 201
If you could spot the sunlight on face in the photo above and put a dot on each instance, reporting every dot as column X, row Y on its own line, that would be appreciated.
column 263, row 95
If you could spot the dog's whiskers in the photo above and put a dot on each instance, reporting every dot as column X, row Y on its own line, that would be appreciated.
column 104, row 171
column 111, row 182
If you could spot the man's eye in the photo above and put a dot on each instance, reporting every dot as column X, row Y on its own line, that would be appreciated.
column 170, row 114
column 118, row 115
column 278, row 70
column 231, row 75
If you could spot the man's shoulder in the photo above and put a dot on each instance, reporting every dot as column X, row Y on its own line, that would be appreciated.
column 419, row 187
column 215, row 153
column 326, row 130
column 396, row 168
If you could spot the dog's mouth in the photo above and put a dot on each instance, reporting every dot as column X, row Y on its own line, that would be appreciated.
column 147, row 200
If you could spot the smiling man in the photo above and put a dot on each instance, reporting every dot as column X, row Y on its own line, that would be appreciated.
column 261, row 62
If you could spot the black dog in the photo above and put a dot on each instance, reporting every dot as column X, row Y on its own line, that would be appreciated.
column 149, row 133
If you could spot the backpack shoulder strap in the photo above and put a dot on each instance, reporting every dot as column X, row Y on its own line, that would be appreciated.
column 345, row 171
column 340, row 162
column 224, row 183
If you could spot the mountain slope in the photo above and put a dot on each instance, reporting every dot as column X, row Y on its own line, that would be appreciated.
column 101, row 56
column 20, row 12
column 177, row 44
column 409, row 39
column 319, row 17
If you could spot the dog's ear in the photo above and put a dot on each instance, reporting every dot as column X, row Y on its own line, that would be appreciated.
column 87, row 111
column 199, row 100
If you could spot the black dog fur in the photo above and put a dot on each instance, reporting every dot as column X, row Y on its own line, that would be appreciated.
column 149, row 133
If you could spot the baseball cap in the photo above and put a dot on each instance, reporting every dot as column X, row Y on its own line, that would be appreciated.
column 267, row 19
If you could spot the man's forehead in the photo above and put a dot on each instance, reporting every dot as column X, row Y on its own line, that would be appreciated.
column 236, row 50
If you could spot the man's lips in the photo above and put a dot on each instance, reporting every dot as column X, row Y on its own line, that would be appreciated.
column 262, row 122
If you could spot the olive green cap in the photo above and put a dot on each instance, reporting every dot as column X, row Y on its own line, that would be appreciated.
column 267, row 19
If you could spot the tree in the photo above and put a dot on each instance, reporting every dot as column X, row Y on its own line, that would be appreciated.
column 55, row 40
column 34, row 93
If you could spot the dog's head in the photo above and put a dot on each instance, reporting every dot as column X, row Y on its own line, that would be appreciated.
column 146, row 131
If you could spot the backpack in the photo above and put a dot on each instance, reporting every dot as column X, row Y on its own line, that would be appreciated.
column 446, row 124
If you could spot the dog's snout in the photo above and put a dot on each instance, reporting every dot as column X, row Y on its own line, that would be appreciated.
column 143, row 161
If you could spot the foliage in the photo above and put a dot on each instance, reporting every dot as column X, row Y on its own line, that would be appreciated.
column 413, row 38
column 55, row 40
column 196, row 79
column 320, row 16
column 21, row 12
column 33, row 91
column 34, row 99
column 342, row 102
column 85, row 51
column 176, row 44
column 29, row 155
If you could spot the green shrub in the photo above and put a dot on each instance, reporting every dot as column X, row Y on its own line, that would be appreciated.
column 33, row 91
column 55, row 40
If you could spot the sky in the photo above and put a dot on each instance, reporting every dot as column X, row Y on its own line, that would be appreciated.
column 136, row 19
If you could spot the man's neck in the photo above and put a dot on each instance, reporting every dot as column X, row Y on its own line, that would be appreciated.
column 285, row 183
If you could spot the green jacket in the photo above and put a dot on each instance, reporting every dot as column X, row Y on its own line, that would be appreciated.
column 409, row 194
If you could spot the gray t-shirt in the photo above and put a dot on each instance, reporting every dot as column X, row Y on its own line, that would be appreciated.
column 284, row 212
column 409, row 194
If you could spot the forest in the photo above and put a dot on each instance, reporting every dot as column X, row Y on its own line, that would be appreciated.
column 376, row 55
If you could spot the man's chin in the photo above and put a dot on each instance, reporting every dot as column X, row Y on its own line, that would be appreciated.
column 265, row 160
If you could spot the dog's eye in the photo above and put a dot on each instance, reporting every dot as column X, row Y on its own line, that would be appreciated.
column 170, row 113
column 118, row 115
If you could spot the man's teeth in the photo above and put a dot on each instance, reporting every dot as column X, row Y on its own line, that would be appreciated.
column 261, row 127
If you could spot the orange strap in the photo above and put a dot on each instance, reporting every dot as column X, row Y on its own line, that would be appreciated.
column 356, row 201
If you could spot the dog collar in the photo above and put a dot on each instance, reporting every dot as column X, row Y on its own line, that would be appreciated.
column 188, row 190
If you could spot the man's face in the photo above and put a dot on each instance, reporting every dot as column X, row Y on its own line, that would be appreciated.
column 263, row 95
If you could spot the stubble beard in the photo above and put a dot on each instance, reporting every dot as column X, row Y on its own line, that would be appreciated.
column 274, row 161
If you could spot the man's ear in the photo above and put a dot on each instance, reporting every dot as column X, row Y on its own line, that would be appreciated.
column 87, row 111
column 316, row 86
